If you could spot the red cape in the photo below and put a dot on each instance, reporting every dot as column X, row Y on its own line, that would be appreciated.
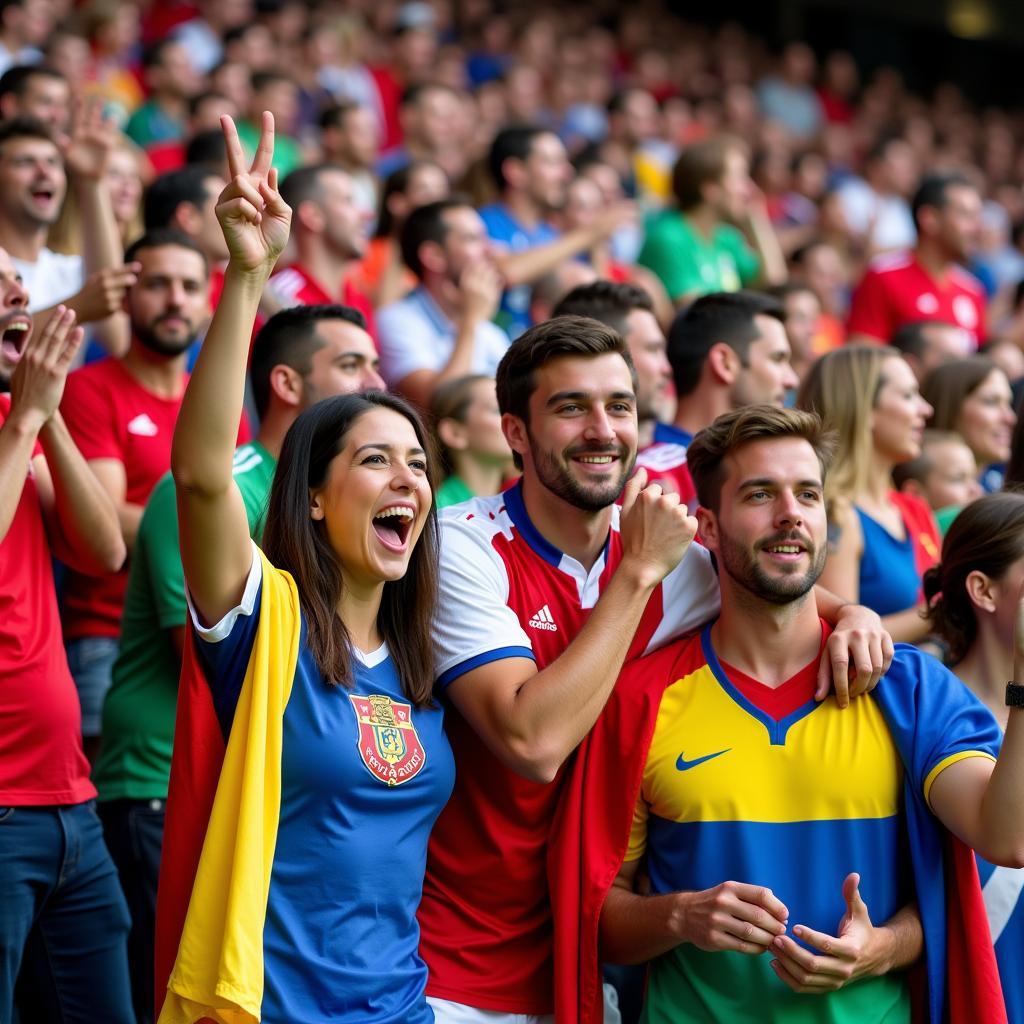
column 195, row 770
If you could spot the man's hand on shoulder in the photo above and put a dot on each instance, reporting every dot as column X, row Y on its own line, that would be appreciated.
column 857, row 655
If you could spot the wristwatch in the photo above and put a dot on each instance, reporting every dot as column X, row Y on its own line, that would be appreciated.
column 1015, row 695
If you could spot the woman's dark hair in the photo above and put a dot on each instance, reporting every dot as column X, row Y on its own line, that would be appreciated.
column 295, row 542
column 987, row 536
column 1014, row 477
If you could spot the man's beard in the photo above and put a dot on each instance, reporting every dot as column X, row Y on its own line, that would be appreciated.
column 347, row 247
column 149, row 338
column 742, row 566
column 647, row 406
column 556, row 476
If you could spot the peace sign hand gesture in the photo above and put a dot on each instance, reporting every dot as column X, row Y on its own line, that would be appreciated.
column 253, row 216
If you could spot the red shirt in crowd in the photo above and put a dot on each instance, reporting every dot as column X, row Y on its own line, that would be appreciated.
column 296, row 286
column 112, row 416
column 665, row 462
column 41, row 759
column 897, row 290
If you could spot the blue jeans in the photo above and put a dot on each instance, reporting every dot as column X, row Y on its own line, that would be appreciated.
column 63, row 919
column 134, row 833
column 91, row 659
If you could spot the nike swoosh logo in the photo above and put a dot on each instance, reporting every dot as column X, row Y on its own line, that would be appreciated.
column 683, row 765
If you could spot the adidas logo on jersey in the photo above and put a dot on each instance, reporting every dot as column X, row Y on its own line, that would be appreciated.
column 543, row 620
column 142, row 426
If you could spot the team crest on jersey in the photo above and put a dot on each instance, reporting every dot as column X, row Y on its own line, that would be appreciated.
column 388, row 744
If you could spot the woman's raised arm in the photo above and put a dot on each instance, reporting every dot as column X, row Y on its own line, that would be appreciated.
column 215, row 549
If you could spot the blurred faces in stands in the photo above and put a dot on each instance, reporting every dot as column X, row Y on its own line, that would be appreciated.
column 42, row 93
column 543, row 176
column 32, row 179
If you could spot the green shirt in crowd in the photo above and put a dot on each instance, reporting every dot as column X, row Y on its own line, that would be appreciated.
column 139, row 711
column 944, row 517
column 688, row 263
column 452, row 491
column 287, row 152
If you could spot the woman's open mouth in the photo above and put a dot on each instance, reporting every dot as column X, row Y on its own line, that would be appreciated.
column 392, row 526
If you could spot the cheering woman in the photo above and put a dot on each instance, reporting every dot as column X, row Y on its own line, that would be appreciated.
column 300, row 906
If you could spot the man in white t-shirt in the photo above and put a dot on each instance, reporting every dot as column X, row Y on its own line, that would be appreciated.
column 443, row 329
column 34, row 175
column 876, row 207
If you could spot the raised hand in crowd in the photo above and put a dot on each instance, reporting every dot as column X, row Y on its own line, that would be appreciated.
column 87, row 148
column 619, row 214
column 480, row 286
column 215, row 545
column 37, row 383
column 103, row 293
column 253, row 216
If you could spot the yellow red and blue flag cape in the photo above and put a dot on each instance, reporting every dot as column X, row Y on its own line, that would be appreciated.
column 220, row 831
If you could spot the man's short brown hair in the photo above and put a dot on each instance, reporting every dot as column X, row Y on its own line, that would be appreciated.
column 552, row 339
column 561, row 336
column 708, row 451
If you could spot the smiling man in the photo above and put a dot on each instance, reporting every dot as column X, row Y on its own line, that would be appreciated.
column 121, row 412
column 545, row 589
column 772, row 823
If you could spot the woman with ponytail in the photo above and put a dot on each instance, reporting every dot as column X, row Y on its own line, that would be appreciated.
column 973, row 602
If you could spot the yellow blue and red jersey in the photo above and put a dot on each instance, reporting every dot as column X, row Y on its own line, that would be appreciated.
column 794, row 796
column 723, row 782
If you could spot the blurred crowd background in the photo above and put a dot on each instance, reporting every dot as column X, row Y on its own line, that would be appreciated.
column 462, row 169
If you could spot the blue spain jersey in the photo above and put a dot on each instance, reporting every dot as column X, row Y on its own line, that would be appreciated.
column 364, row 775
column 795, row 804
